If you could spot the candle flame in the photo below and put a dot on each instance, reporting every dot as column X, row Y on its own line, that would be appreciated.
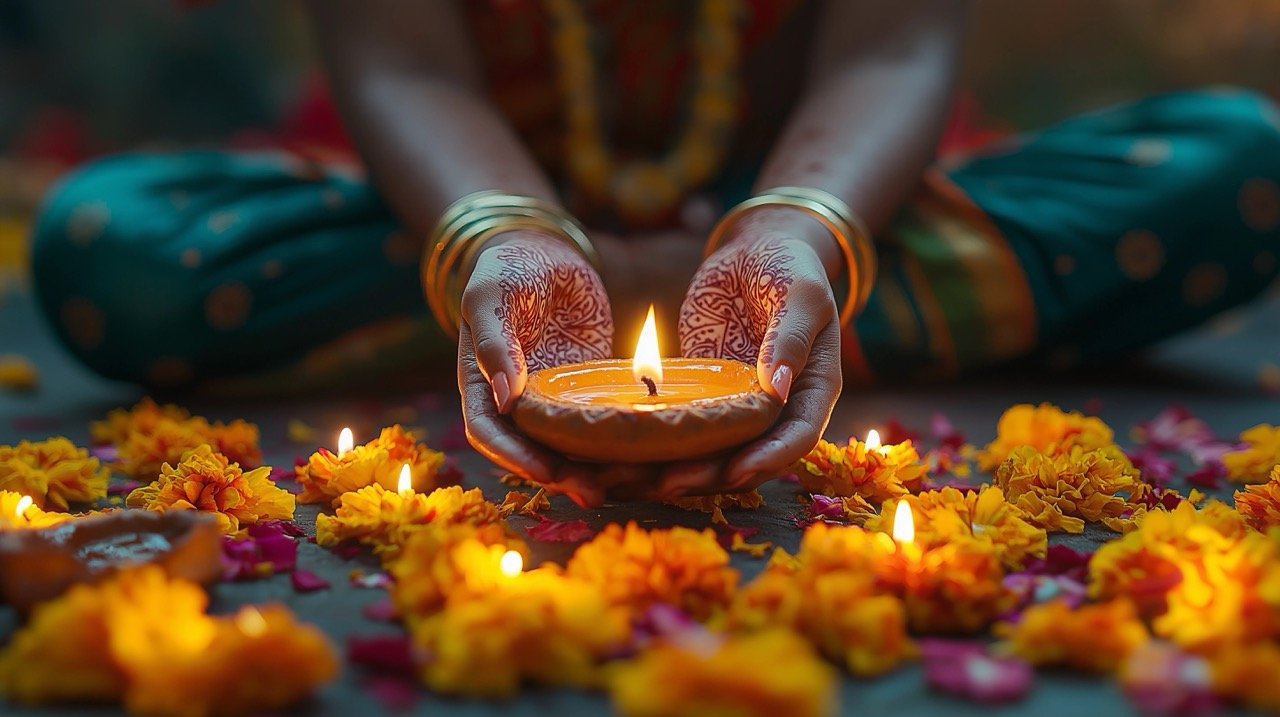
column 250, row 621
column 346, row 441
column 648, row 360
column 405, row 486
column 904, row 524
column 873, row 440
column 21, row 509
column 511, row 564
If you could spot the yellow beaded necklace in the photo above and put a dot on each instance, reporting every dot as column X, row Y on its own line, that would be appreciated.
column 642, row 191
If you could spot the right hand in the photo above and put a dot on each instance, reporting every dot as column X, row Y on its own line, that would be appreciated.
column 531, row 302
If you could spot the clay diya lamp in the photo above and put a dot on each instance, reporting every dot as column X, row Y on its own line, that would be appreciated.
column 645, row 410
column 37, row 565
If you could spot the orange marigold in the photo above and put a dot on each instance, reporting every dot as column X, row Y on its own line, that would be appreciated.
column 210, row 482
column 955, row 588
column 1260, row 504
column 143, row 417
column 761, row 675
column 637, row 568
column 1047, row 429
column 384, row 520
column 144, row 452
column 53, row 472
column 20, row 511
column 1093, row 638
column 876, row 473
column 1261, row 454
column 326, row 476
column 1060, row 491
column 1247, row 673
column 982, row 515
column 438, row 562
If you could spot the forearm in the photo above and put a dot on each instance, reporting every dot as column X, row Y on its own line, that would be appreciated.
column 869, row 123
column 407, row 87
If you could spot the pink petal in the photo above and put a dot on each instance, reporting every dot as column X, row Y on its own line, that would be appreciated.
column 380, row 611
column 305, row 581
column 105, row 453
column 347, row 550
column 560, row 531
column 1061, row 560
column 392, row 654
column 268, row 528
column 895, row 432
column 943, row 430
column 1154, row 468
column 969, row 673
column 1208, row 476
column 1174, row 429
column 122, row 487
column 395, row 694
column 725, row 533
column 454, row 438
column 1163, row 680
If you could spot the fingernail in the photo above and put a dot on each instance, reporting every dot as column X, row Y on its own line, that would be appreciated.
column 781, row 382
column 501, row 392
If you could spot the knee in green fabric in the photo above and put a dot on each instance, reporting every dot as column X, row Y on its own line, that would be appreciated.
column 99, row 277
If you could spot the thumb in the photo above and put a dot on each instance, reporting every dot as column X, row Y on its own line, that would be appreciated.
column 498, row 352
column 793, row 328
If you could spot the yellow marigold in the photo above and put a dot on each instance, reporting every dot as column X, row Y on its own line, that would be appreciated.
column 716, row 504
column 876, row 474
column 637, row 568
column 759, row 675
column 541, row 626
column 1094, row 638
column 1060, row 491
column 53, row 472
column 208, row 481
column 326, row 476
column 384, row 520
column 954, row 588
column 1261, row 454
column 18, row 511
column 983, row 515
column 143, row 453
column 1260, row 504
column 1045, row 428
column 1199, row 574
column 1247, row 673
column 120, row 422
column 838, row 612
column 438, row 562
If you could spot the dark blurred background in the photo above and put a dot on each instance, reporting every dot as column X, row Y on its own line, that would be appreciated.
column 82, row 77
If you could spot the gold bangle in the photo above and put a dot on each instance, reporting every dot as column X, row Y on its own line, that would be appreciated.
column 849, row 231
column 471, row 221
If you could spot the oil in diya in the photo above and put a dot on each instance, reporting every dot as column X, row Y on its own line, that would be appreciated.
column 648, row 409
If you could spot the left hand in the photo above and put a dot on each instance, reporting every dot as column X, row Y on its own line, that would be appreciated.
column 764, row 298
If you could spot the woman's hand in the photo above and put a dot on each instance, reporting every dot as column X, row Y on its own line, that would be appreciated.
column 765, row 298
column 531, row 302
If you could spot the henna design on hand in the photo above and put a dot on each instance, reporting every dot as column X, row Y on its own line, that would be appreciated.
column 736, row 300
column 554, row 307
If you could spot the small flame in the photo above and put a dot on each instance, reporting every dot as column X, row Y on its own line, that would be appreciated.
column 511, row 564
column 648, row 360
column 405, row 486
column 873, row 440
column 346, row 441
column 250, row 621
column 21, row 509
column 904, row 524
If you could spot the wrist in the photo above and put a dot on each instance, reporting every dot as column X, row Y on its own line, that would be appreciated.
column 791, row 224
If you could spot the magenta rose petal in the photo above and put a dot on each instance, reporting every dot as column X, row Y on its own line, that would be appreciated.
column 305, row 581
column 560, row 531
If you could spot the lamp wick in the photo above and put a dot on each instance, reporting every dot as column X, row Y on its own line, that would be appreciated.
column 653, row 387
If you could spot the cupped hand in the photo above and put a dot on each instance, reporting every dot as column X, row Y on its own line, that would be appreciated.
column 531, row 302
column 764, row 298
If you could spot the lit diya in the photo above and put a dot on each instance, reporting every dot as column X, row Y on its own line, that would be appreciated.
column 37, row 565
column 646, row 410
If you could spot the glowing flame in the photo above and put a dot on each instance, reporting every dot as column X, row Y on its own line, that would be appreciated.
column 405, row 486
column 346, row 441
column 904, row 524
column 250, row 621
column 511, row 564
column 21, row 509
column 873, row 440
column 648, row 361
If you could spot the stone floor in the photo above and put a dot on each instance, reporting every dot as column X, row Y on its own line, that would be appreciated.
column 1214, row 371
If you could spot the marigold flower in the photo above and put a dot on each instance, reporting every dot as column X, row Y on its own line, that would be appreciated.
column 326, row 476
column 1260, row 504
column 208, row 481
column 983, row 515
column 144, row 452
column 1247, row 673
column 1059, row 491
column 637, row 568
column 1093, row 638
column 436, row 563
column 539, row 626
column 957, row 588
column 384, row 520
column 53, row 473
column 759, row 675
column 1261, row 454
column 1200, row 574
column 14, row 514
column 143, row 417
column 875, row 474
column 1045, row 428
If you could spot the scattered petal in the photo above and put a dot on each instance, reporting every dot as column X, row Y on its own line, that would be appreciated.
column 380, row 611
column 965, row 670
column 1174, row 430
column 305, row 581
column 1160, row 679
column 895, row 432
column 300, row 432
column 390, row 654
column 1154, row 468
column 368, row 581
column 560, row 531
